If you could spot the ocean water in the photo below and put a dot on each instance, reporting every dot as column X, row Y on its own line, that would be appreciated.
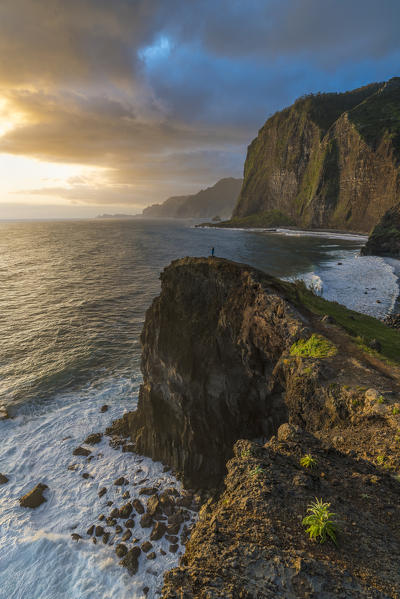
column 73, row 297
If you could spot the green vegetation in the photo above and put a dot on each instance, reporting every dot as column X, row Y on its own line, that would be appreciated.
column 307, row 461
column 356, row 324
column 395, row 410
column 321, row 522
column 381, row 399
column 246, row 453
column 267, row 219
column 314, row 347
column 380, row 460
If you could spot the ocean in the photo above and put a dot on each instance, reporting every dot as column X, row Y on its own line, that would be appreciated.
column 73, row 297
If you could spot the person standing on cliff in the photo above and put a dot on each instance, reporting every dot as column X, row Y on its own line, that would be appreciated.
column 212, row 252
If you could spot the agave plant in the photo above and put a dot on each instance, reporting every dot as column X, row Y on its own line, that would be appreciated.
column 321, row 522
column 307, row 461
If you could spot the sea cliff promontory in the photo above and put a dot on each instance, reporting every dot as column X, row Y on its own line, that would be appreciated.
column 265, row 397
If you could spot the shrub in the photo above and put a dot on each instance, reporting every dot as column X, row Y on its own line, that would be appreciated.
column 380, row 459
column 314, row 347
column 395, row 410
column 307, row 461
column 321, row 522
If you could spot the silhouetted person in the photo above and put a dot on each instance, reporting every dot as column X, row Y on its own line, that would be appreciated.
column 212, row 252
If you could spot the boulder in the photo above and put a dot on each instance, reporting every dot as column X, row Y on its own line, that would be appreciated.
column 3, row 413
column 137, row 504
column 3, row 479
column 104, row 408
column 146, row 521
column 102, row 492
column 130, row 561
column 146, row 546
column 121, row 481
column 81, row 451
column 158, row 531
column 93, row 439
column 35, row 497
column 125, row 511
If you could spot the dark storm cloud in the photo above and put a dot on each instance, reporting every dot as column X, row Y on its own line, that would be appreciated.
column 166, row 95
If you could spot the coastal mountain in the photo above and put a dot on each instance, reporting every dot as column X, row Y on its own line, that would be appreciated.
column 327, row 161
column 218, row 200
column 266, row 398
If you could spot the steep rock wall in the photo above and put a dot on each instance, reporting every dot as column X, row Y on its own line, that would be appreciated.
column 328, row 161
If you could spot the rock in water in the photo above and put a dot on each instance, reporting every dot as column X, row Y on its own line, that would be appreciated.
column 3, row 479
column 81, row 451
column 35, row 497
column 93, row 439
column 385, row 238
column 130, row 561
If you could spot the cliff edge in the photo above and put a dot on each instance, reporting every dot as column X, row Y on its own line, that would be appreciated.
column 244, row 376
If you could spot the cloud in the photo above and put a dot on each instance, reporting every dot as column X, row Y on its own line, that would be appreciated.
column 165, row 96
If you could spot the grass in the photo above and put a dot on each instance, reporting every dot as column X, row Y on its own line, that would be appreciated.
column 321, row 522
column 315, row 346
column 307, row 461
column 269, row 218
column 357, row 325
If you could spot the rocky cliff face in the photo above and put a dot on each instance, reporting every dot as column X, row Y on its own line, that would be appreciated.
column 217, row 200
column 328, row 161
column 385, row 238
column 217, row 367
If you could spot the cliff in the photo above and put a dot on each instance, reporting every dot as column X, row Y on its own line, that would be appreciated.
column 244, row 375
column 385, row 237
column 218, row 200
column 327, row 161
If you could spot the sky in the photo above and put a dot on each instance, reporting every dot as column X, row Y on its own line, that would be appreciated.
column 112, row 105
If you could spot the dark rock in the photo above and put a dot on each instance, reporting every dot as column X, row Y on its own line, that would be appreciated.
column 173, row 548
column 125, row 511
column 137, row 504
column 163, row 552
column 102, row 492
column 90, row 530
column 104, row 408
column 118, row 528
column 153, row 505
column 85, row 475
column 81, row 451
column 166, row 469
column 75, row 536
column 151, row 555
column 93, row 439
column 173, row 529
column 114, row 513
column 172, row 538
column 130, row 523
column 146, row 546
column 158, row 531
column 35, row 497
column 385, row 238
column 121, row 481
column 3, row 479
column 130, row 561
column 94, row 540
column 148, row 491
column 106, row 537
column 109, row 503
column 146, row 521
column 145, row 590
column 99, row 531
column 111, row 521
column 126, row 536
column 72, row 467
column 4, row 415
column 126, row 495
column 101, row 517
column 121, row 550
column 128, row 448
